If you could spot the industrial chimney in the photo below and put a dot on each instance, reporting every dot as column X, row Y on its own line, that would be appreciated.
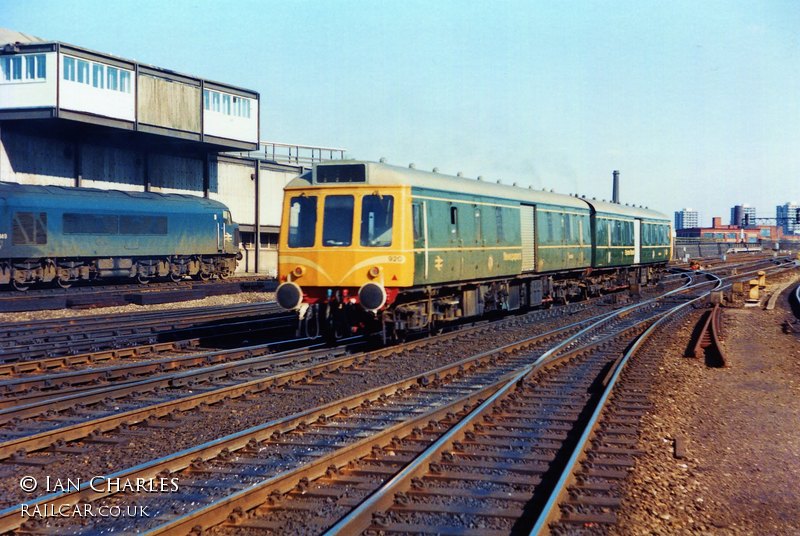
column 615, row 192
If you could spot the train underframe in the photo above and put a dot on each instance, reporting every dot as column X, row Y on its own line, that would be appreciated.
column 22, row 273
column 429, row 308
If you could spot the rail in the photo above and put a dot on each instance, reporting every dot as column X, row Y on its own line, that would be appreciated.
column 551, row 512
column 708, row 340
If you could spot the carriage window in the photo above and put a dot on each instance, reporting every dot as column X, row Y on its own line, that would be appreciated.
column 376, row 220
column 337, row 223
column 498, row 218
column 302, row 221
column 416, row 217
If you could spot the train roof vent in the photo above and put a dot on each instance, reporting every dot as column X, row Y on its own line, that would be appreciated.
column 382, row 160
column 411, row 165
column 459, row 174
column 436, row 170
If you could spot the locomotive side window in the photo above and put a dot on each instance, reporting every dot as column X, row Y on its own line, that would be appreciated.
column 376, row 220
column 97, row 224
column 112, row 224
column 454, row 222
column 337, row 223
column 143, row 225
column 29, row 228
column 302, row 221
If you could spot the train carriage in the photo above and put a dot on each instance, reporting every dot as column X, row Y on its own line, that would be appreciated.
column 415, row 249
column 53, row 233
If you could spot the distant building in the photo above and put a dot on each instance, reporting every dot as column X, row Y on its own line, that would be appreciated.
column 743, row 215
column 753, row 234
column 788, row 217
column 686, row 218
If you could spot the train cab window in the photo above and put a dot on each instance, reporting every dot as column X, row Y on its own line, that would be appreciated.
column 454, row 221
column 337, row 222
column 302, row 221
column 226, row 217
column 376, row 220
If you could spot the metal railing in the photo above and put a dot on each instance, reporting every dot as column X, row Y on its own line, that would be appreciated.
column 300, row 155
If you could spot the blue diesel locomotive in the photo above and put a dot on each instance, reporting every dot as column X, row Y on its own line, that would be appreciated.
column 53, row 233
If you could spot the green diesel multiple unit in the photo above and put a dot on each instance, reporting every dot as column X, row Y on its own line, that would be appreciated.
column 415, row 248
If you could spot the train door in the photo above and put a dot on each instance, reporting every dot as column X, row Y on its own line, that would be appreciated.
column 220, row 233
column 637, row 249
column 527, row 232
column 419, row 216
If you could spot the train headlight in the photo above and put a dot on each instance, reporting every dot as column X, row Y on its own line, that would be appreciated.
column 374, row 272
column 289, row 296
column 372, row 296
column 298, row 271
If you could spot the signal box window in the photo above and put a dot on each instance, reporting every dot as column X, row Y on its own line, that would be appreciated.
column 337, row 223
column 376, row 220
column 302, row 221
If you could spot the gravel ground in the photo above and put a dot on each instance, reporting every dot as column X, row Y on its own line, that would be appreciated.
column 741, row 427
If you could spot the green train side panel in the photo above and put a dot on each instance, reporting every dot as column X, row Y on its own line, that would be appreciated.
column 656, row 246
column 613, row 241
column 563, row 239
column 481, row 239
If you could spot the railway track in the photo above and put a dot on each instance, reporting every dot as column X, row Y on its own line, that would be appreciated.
column 43, row 339
column 437, row 381
column 437, row 389
column 105, row 294
column 297, row 388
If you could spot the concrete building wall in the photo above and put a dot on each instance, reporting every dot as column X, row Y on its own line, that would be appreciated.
column 237, row 190
column 112, row 168
column 30, row 159
column 169, row 104
column 171, row 174
column 271, row 195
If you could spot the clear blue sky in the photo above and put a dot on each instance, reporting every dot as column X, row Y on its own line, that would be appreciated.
column 696, row 103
